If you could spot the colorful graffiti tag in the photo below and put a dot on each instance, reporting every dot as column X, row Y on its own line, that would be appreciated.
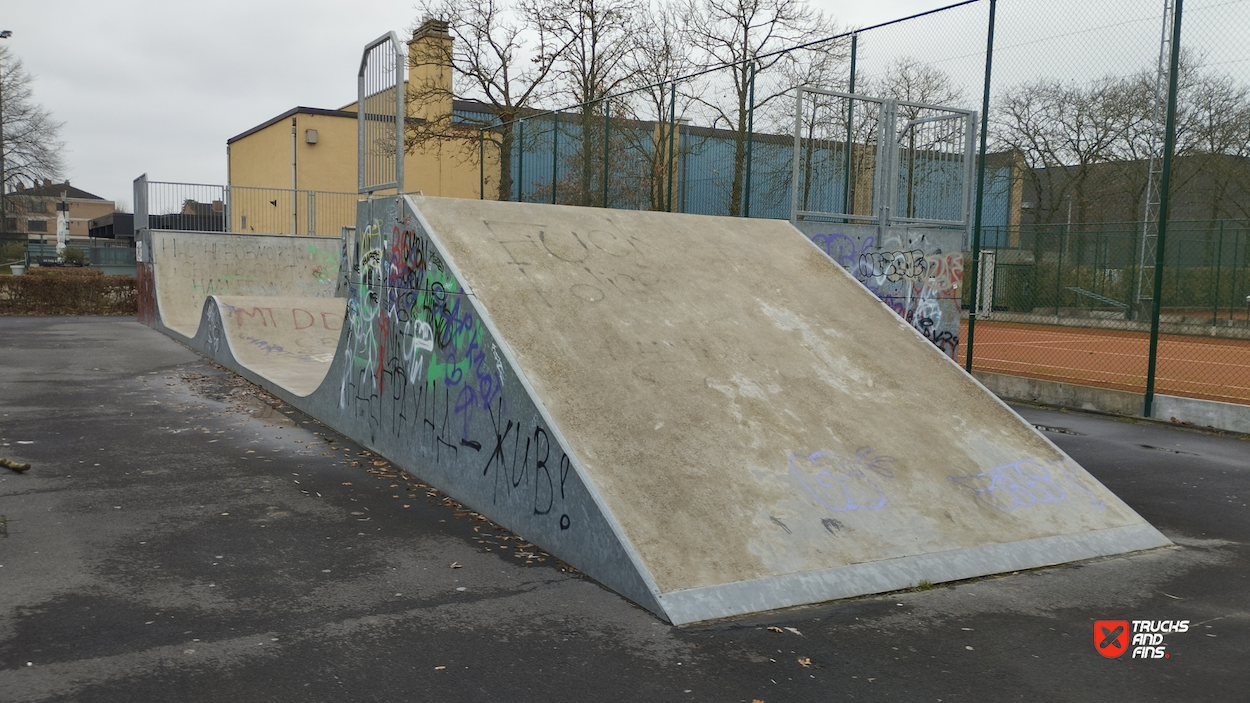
column 419, row 363
column 923, row 288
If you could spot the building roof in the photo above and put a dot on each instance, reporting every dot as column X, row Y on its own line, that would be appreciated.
column 461, row 105
column 54, row 190
column 291, row 113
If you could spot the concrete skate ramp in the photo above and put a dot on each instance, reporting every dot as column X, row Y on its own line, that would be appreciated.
column 190, row 266
column 708, row 415
column 267, row 298
column 290, row 341
column 756, row 421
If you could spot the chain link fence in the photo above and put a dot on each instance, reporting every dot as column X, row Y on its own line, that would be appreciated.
column 1077, row 236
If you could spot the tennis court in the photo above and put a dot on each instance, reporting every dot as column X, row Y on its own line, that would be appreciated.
column 1194, row 367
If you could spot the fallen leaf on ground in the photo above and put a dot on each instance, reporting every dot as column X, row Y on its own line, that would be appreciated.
column 456, row 565
column 805, row 662
column 773, row 628
column 791, row 629
column 9, row 464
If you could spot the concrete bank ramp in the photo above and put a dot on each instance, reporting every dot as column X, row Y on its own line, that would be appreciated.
column 708, row 415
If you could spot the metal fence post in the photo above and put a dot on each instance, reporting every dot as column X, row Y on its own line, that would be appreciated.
column 607, row 127
column 555, row 152
column 481, row 165
column 976, row 227
column 1219, row 264
column 746, row 209
column 850, row 116
column 1169, row 144
column 1059, row 272
column 141, row 203
column 520, row 161
column 672, row 126
column 1232, row 300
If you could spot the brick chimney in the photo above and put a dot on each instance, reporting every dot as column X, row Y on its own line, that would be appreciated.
column 429, row 71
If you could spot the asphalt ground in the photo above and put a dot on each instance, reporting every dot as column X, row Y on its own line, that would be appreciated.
column 183, row 537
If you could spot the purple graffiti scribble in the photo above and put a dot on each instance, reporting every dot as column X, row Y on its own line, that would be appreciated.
column 1024, row 483
column 847, row 476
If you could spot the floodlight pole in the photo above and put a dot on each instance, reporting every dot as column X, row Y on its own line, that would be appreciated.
column 1169, row 144
column 976, row 226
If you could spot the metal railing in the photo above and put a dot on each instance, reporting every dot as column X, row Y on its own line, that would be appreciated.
column 217, row 208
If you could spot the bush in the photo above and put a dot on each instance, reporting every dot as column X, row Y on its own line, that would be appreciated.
column 72, row 291
column 74, row 255
column 11, row 251
column 63, row 271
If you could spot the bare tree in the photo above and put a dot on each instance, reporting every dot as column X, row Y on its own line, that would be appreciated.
column 503, row 55
column 743, row 36
column 914, row 83
column 1213, row 142
column 599, row 37
column 822, row 125
column 658, row 55
column 1088, row 147
column 911, row 80
column 1063, row 132
column 31, row 143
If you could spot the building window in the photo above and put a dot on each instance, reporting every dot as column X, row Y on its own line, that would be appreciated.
column 38, row 206
column 10, row 224
column 36, row 225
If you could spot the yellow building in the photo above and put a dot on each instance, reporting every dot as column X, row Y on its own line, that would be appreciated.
column 313, row 149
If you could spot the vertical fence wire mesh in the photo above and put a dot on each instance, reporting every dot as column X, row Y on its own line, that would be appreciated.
column 1071, row 194
column 1073, row 163
column 1071, row 266
column 246, row 210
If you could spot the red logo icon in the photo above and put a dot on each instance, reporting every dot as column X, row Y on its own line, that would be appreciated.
column 1111, row 637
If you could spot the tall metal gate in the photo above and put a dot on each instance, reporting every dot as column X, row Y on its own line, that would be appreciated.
column 380, row 114
column 881, row 161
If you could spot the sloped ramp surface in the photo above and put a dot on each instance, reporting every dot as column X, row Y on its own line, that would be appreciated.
column 706, row 414
column 263, row 302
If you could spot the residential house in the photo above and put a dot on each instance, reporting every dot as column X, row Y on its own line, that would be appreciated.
column 31, row 212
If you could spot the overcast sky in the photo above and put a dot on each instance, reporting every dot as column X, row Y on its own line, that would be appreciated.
column 158, row 86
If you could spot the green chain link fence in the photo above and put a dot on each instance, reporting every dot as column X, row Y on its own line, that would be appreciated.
column 1105, row 257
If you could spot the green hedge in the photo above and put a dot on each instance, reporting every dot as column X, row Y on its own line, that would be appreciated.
column 68, row 291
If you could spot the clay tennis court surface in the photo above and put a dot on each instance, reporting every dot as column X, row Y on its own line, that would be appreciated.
column 1194, row 367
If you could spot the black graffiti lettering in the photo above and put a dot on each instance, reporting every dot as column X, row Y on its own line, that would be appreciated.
column 497, row 456
column 476, row 446
column 428, row 392
column 516, row 444
column 564, row 472
column 542, row 447
column 564, row 521
column 442, row 442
